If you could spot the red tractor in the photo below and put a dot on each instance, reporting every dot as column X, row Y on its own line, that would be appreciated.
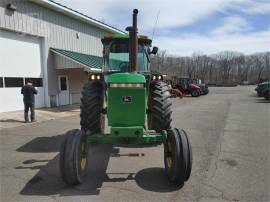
column 186, row 86
column 173, row 91
column 176, row 92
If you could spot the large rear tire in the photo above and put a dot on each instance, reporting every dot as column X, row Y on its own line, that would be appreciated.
column 159, row 107
column 92, row 118
column 73, row 158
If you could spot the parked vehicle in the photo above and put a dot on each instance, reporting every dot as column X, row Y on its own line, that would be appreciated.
column 175, row 92
column 261, row 80
column 185, row 85
column 261, row 87
column 203, row 86
column 266, row 93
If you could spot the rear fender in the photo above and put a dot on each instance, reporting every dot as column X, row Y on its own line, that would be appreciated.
column 193, row 87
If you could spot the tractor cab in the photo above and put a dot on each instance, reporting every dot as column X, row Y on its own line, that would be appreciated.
column 182, row 81
column 116, row 53
column 186, row 86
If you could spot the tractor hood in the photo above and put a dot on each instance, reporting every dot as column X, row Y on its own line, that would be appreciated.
column 126, row 100
column 194, row 86
column 126, row 78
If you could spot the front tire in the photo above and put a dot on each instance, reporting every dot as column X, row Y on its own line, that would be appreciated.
column 159, row 107
column 73, row 158
column 266, row 94
column 92, row 118
column 177, row 156
column 187, row 152
column 195, row 93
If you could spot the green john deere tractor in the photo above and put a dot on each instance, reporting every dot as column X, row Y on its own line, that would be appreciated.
column 137, row 105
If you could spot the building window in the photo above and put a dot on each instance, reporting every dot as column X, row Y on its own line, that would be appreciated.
column 63, row 83
column 37, row 82
column 1, row 82
column 13, row 82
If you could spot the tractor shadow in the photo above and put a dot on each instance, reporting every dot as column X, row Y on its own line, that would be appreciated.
column 47, row 181
column 155, row 180
column 43, row 145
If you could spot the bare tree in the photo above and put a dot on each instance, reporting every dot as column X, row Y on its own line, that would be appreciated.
column 223, row 67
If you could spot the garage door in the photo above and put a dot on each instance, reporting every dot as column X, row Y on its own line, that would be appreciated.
column 20, row 59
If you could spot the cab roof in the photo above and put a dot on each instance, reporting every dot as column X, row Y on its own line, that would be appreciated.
column 120, row 37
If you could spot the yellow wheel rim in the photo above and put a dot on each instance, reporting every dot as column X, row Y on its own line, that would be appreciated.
column 169, row 147
column 83, row 163
column 169, row 158
column 169, row 162
column 83, row 157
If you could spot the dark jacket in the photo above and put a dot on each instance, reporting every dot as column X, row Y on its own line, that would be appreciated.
column 28, row 92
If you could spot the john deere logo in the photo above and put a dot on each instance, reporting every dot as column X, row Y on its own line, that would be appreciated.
column 126, row 99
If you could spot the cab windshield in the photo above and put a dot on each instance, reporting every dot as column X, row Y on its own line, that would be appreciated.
column 116, row 57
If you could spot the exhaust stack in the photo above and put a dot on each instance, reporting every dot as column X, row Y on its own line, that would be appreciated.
column 133, row 42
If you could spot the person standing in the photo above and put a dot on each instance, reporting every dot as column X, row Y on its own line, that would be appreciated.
column 29, row 93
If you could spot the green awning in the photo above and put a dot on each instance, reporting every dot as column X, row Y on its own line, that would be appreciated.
column 89, row 61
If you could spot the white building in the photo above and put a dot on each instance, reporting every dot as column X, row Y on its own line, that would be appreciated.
column 53, row 45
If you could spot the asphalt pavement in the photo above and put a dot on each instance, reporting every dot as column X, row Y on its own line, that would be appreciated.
column 229, row 133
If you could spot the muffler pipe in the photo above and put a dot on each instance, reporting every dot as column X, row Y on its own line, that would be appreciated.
column 133, row 42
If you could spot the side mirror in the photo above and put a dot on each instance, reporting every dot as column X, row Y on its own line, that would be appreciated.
column 154, row 50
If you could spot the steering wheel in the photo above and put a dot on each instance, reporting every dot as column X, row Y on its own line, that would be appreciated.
column 124, row 66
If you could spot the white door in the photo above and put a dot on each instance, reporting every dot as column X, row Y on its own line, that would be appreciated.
column 63, row 98
column 20, row 59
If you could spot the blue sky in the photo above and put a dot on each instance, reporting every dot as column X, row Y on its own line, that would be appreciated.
column 188, row 26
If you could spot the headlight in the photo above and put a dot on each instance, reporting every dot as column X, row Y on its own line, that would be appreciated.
column 157, row 77
column 93, row 77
